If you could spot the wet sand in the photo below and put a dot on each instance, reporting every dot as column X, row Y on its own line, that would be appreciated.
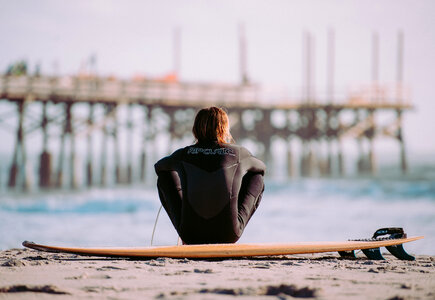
column 28, row 274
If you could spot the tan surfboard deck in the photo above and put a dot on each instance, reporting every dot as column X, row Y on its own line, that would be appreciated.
column 229, row 250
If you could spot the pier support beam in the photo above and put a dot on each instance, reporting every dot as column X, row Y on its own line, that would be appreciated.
column 340, row 158
column 172, row 128
column 89, row 167
column 116, row 152
column 110, row 115
column 145, row 126
column 371, row 134
column 328, row 165
column 334, row 135
column 361, row 160
column 68, row 131
column 103, row 163
column 308, row 132
column 130, row 144
column 307, row 160
column 73, row 174
column 399, row 136
column 59, row 175
column 290, row 165
column 45, row 161
column 265, row 132
column 329, row 134
column 19, row 163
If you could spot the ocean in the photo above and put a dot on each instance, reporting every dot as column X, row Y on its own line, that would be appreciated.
column 291, row 210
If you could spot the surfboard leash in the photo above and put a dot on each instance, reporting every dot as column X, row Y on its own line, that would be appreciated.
column 393, row 232
column 155, row 225
column 179, row 241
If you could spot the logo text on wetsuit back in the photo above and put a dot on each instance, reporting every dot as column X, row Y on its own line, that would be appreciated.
column 208, row 151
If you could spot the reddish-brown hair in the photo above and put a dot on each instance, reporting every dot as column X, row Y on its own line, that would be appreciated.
column 212, row 124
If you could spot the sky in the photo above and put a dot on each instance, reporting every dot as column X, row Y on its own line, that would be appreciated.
column 136, row 37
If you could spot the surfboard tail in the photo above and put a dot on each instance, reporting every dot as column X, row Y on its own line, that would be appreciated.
column 388, row 233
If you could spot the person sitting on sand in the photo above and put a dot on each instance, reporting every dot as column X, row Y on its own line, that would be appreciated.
column 211, row 189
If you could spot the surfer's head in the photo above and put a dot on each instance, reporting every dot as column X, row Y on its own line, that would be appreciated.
column 212, row 124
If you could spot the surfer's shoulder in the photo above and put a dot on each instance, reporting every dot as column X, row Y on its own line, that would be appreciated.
column 250, row 162
column 243, row 152
column 169, row 161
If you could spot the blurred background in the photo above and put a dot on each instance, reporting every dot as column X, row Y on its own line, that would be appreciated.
column 334, row 95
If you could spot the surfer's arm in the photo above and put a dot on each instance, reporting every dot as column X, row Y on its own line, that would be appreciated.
column 168, row 163
column 169, row 186
column 170, row 194
column 251, row 189
column 250, row 195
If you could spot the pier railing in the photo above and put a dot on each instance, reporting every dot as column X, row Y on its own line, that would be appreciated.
column 194, row 94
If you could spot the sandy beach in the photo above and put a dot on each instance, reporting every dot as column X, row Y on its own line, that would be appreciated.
column 28, row 273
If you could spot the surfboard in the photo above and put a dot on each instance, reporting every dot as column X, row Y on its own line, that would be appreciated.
column 346, row 248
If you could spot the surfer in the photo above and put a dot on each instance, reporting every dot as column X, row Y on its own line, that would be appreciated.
column 211, row 189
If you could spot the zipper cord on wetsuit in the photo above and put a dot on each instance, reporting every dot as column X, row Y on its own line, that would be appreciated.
column 155, row 225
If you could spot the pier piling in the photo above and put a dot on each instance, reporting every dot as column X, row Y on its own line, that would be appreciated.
column 45, row 161
column 89, row 165
column 103, row 160
column 130, row 126
column 18, row 169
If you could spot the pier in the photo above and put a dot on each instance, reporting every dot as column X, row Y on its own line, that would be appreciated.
column 77, row 108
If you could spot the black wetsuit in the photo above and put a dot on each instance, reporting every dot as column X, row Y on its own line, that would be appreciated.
column 210, row 191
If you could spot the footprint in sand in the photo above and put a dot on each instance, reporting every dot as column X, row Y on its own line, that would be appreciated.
column 108, row 268
column 206, row 271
